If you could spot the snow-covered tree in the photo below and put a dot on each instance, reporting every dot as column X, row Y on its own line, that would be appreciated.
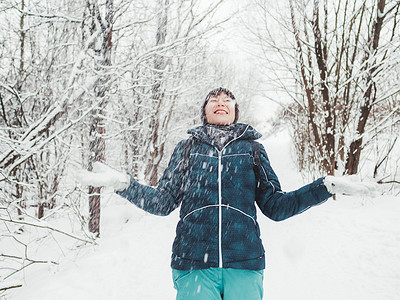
column 36, row 49
column 332, row 60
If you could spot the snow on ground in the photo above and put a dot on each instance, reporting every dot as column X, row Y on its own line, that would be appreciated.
column 343, row 249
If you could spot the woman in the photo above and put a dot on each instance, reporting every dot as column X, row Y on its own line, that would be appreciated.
column 217, row 252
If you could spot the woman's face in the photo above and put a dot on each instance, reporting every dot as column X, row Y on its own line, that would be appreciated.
column 220, row 110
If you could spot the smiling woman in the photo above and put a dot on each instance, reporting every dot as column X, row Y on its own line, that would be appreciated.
column 217, row 177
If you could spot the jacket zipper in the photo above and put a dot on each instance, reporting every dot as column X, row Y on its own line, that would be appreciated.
column 220, row 208
column 220, row 263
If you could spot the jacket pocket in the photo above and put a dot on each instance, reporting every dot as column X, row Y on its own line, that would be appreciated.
column 197, row 236
column 240, row 237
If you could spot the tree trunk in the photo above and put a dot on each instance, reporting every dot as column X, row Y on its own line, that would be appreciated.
column 102, row 52
column 157, row 99
column 96, row 150
column 328, row 151
column 354, row 154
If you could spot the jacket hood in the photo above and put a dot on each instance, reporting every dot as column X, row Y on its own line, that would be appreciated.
column 242, row 132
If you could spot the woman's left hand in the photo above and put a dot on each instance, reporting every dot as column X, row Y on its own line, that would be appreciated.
column 351, row 185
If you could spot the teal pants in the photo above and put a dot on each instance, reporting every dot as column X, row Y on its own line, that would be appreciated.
column 217, row 283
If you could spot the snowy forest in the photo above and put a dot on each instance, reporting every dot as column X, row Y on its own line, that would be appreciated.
column 121, row 81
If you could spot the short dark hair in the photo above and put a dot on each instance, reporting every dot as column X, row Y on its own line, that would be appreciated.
column 216, row 92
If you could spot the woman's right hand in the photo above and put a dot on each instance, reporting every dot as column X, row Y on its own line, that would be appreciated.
column 103, row 175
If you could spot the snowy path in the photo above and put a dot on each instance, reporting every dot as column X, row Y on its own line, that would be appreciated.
column 344, row 249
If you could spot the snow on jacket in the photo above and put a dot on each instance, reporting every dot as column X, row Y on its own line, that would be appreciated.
column 218, row 223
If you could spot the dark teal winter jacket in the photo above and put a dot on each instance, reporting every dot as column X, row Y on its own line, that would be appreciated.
column 218, row 223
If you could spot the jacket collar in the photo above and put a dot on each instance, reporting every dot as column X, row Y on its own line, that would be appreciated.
column 242, row 132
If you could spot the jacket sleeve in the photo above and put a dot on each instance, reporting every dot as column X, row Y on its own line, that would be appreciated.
column 278, row 205
column 166, row 197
